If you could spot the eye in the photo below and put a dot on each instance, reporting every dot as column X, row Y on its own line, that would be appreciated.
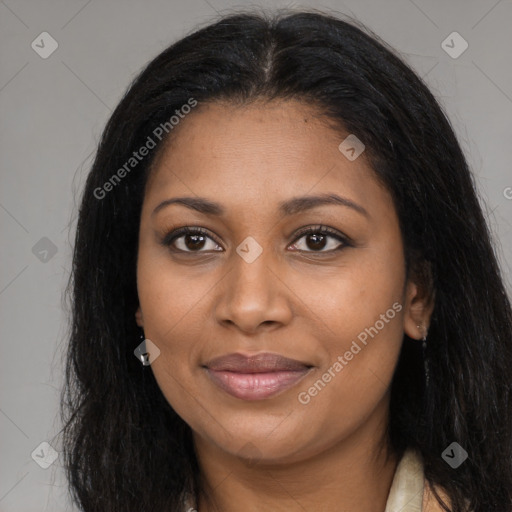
column 318, row 238
column 189, row 239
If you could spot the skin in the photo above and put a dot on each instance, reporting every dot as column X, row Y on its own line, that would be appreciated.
column 309, row 304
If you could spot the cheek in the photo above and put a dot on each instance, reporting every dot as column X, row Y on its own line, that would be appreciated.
column 351, row 297
column 360, row 345
column 173, row 303
column 359, row 318
column 168, row 296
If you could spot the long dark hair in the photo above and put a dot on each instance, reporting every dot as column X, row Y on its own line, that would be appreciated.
column 125, row 448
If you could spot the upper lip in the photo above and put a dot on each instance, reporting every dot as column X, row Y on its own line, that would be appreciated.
column 258, row 363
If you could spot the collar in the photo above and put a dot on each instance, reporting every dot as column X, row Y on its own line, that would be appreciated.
column 406, row 492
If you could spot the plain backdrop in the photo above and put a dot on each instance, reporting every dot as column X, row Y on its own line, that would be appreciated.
column 53, row 110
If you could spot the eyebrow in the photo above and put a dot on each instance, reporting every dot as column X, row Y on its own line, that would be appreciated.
column 289, row 207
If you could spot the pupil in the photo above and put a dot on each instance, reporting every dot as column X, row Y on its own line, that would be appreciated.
column 318, row 243
column 198, row 241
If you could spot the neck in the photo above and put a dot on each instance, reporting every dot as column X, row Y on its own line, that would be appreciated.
column 353, row 474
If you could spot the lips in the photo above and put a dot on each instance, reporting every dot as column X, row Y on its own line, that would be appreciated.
column 255, row 377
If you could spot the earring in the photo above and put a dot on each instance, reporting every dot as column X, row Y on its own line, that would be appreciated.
column 424, row 352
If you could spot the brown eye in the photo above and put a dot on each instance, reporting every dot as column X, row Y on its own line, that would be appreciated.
column 194, row 242
column 190, row 240
column 320, row 238
column 316, row 241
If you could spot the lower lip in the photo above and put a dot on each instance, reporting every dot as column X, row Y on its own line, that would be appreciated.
column 256, row 386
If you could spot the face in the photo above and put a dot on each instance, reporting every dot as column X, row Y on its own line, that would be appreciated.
column 323, row 311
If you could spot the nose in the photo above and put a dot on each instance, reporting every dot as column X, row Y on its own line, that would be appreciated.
column 253, row 296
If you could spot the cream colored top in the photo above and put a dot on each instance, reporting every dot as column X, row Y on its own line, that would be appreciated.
column 407, row 492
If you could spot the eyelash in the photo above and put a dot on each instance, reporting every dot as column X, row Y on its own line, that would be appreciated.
column 169, row 238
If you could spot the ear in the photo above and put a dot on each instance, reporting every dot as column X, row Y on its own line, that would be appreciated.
column 419, row 303
column 138, row 317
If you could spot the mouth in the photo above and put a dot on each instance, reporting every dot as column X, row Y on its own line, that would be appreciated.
column 255, row 377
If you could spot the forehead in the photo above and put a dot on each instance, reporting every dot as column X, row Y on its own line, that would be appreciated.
column 259, row 152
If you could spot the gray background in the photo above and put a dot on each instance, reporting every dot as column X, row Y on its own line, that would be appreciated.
column 53, row 110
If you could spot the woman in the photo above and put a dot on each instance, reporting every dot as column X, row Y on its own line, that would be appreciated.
column 285, row 295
